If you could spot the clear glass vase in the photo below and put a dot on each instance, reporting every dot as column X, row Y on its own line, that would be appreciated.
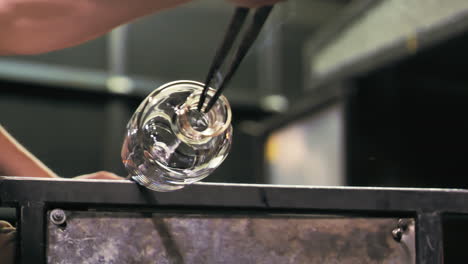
column 170, row 144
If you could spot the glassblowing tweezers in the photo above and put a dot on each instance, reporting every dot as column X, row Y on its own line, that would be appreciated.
column 251, row 34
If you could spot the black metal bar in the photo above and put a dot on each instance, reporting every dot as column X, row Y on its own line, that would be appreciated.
column 119, row 193
column 429, row 242
column 31, row 233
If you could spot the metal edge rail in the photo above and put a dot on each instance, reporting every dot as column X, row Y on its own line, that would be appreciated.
column 366, row 199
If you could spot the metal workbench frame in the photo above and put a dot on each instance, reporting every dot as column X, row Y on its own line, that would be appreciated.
column 32, row 198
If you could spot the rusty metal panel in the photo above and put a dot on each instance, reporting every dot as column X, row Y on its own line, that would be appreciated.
column 119, row 237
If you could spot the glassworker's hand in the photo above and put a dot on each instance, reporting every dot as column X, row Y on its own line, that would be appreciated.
column 100, row 175
column 254, row 3
column 7, row 243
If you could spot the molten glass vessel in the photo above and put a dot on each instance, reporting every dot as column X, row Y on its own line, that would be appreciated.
column 170, row 144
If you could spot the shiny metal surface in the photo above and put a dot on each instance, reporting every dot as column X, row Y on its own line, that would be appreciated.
column 120, row 237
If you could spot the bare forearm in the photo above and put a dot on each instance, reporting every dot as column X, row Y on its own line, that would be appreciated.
column 37, row 26
column 15, row 160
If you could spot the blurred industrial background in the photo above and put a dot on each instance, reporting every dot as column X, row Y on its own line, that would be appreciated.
column 334, row 92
